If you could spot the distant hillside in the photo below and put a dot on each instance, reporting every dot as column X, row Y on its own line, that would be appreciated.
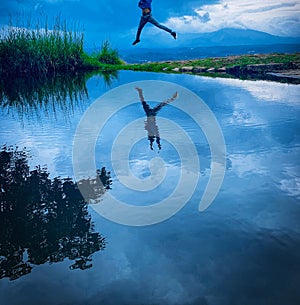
column 224, row 37
column 140, row 55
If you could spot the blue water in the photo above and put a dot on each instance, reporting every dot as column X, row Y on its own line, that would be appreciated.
column 243, row 249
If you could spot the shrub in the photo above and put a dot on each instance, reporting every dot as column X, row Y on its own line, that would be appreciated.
column 36, row 51
column 108, row 55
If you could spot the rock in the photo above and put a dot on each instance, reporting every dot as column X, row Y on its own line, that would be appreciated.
column 199, row 69
column 186, row 69
column 295, row 73
column 222, row 70
column 233, row 70
column 259, row 68
column 296, row 65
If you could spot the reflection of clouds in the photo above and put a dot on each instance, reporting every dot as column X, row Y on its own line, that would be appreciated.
column 246, row 165
column 245, row 117
column 197, row 263
column 194, row 258
column 267, row 91
column 41, row 152
column 291, row 183
column 291, row 186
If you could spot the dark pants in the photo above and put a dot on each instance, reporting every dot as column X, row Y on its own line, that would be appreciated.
column 148, row 18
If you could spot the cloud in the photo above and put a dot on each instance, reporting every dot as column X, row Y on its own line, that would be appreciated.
column 268, row 16
column 117, row 21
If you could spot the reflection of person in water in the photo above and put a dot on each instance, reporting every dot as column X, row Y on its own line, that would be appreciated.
column 150, row 123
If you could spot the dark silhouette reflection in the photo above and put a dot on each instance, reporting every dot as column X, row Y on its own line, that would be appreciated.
column 61, row 93
column 150, row 123
column 42, row 219
column 109, row 77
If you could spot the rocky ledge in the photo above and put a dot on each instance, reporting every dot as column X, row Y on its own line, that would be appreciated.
column 288, row 72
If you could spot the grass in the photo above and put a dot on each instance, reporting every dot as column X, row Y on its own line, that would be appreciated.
column 41, row 51
column 215, row 63
column 108, row 55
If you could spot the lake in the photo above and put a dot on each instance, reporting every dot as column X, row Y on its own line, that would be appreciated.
column 192, row 182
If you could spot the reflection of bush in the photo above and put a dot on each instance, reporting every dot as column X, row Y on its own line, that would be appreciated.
column 93, row 189
column 43, row 220
column 28, row 95
column 41, row 95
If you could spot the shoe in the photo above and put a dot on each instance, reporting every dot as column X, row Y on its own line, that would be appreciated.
column 174, row 35
column 135, row 42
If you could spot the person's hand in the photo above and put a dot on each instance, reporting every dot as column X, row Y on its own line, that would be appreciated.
column 175, row 95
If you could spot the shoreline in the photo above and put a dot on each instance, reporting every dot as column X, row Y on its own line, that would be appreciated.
column 276, row 67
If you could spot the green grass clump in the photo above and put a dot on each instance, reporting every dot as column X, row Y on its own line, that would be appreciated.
column 36, row 51
column 108, row 55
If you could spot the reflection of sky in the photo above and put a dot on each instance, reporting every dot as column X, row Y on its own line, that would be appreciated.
column 243, row 250
column 141, row 154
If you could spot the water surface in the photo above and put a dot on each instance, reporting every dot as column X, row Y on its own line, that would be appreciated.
column 244, row 249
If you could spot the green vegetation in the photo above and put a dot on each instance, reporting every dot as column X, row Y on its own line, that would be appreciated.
column 41, row 51
column 106, row 59
column 108, row 55
column 202, row 65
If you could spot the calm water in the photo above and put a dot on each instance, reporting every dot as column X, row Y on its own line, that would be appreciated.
column 243, row 249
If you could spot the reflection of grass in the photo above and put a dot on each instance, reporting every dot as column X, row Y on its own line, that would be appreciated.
column 31, row 95
column 28, row 95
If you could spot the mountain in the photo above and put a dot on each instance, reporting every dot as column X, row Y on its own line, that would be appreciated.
column 140, row 55
column 226, row 37
column 223, row 37
column 157, row 46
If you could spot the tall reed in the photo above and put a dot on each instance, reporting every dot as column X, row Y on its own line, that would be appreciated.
column 40, row 50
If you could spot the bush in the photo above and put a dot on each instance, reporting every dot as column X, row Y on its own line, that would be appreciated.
column 36, row 51
column 108, row 55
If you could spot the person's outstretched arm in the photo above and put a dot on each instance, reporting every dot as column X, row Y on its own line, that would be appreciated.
column 164, row 103
column 171, row 99
column 140, row 91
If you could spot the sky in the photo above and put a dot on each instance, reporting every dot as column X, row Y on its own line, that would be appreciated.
column 117, row 20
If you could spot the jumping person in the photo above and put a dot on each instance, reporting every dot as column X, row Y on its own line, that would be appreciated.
column 145, row 6
column 150, row 124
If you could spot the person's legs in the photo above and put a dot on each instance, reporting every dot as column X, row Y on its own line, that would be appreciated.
column 158, row 142
column 151, row 139
column 143, row 21
column 161, row 26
